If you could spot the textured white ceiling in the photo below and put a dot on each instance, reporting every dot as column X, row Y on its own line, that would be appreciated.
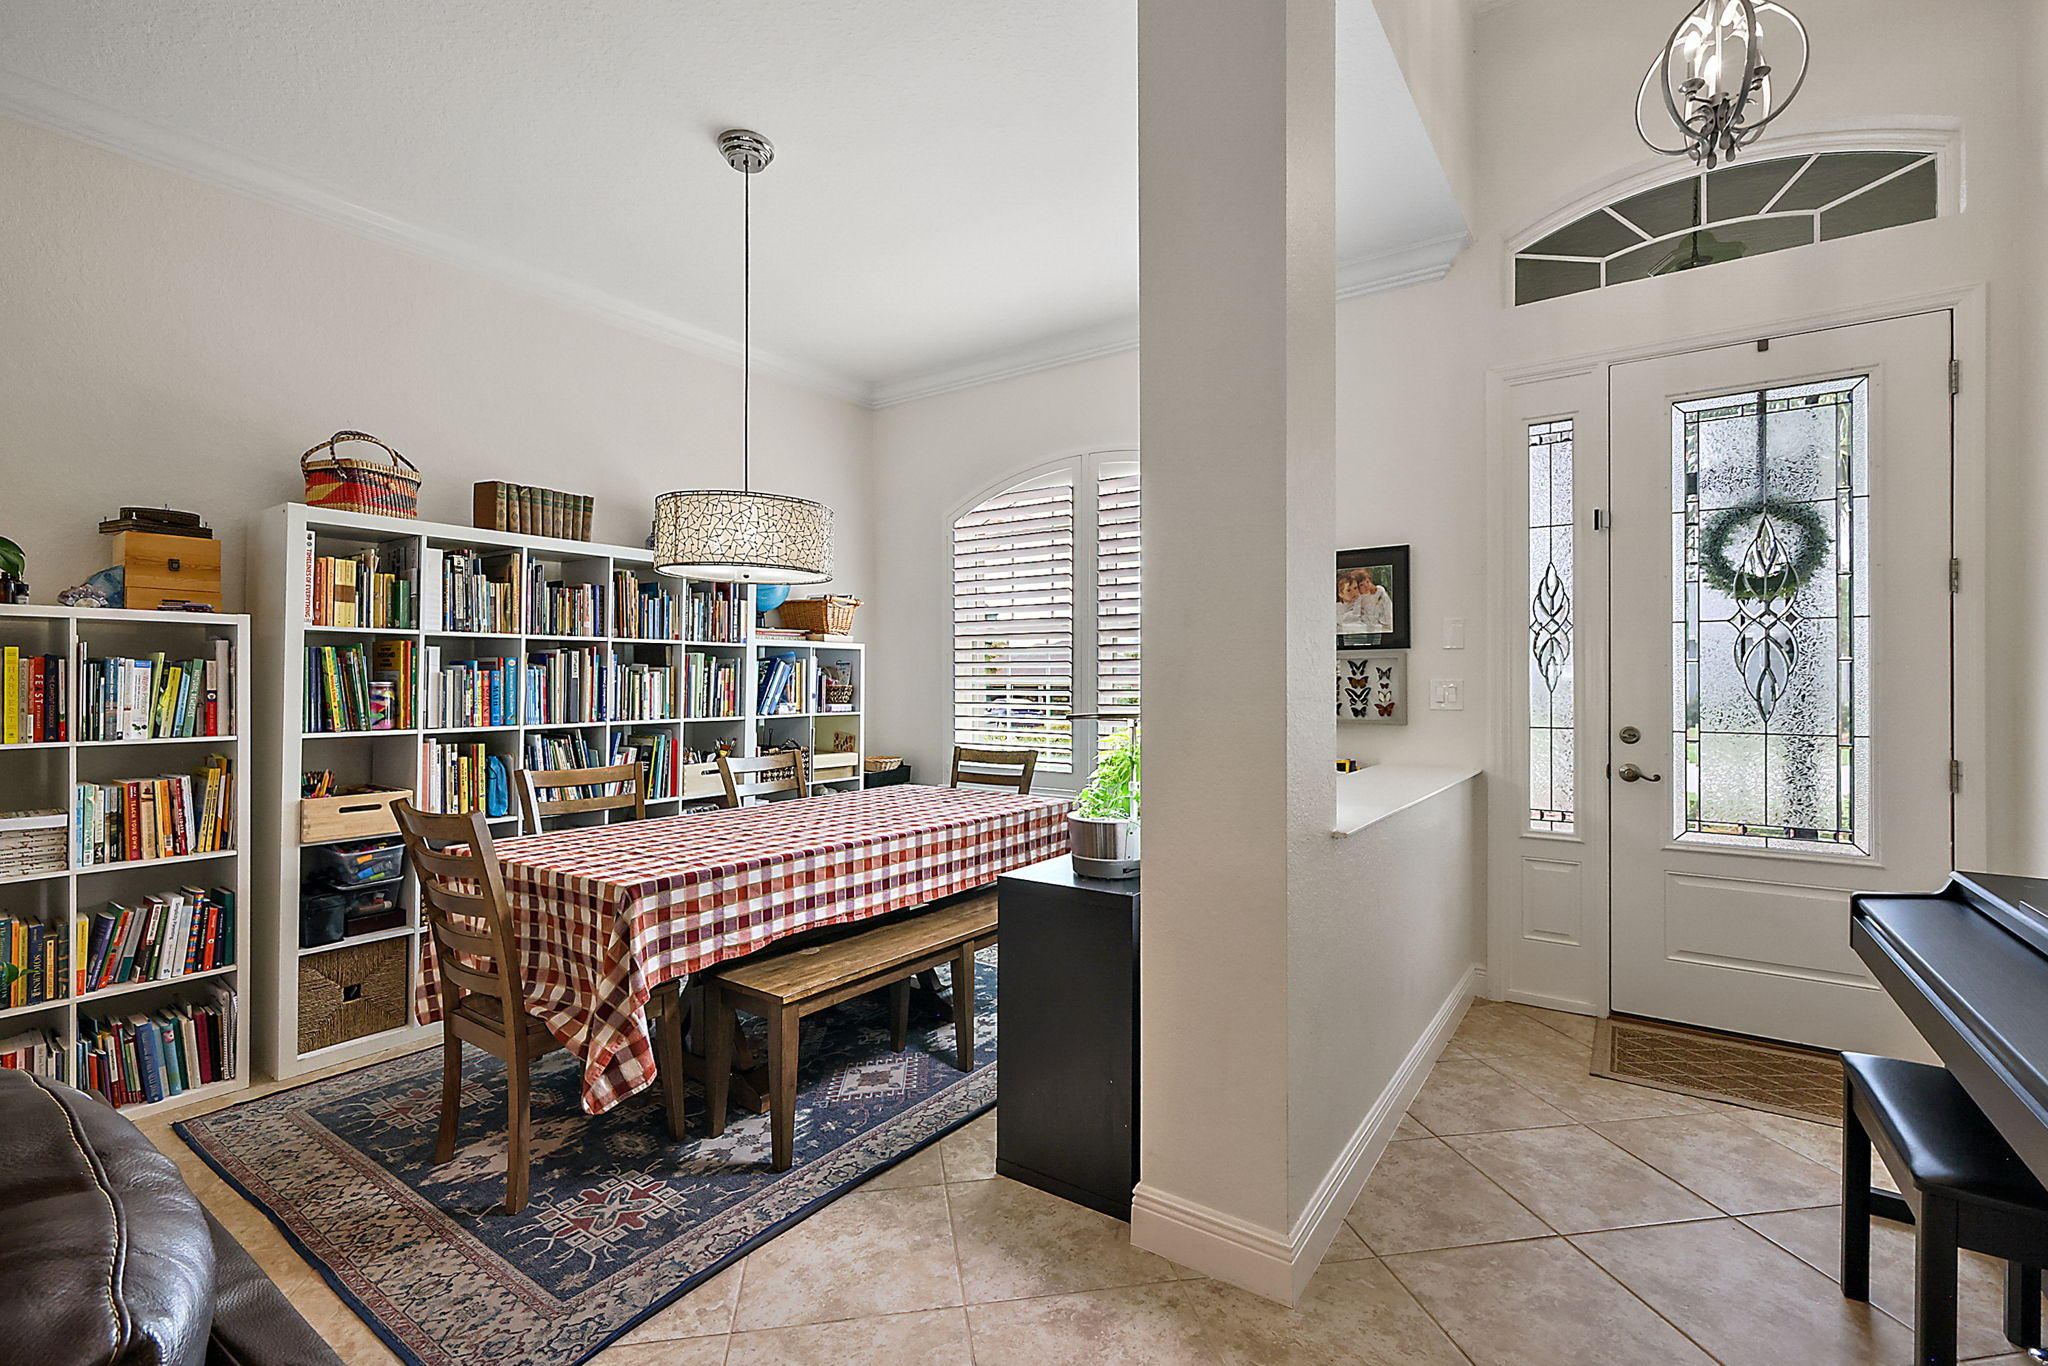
column 954, row 184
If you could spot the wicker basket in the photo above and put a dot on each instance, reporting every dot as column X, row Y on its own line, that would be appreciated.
column 350, row 992
column 819, row 616
column 882, row 763
column 839, row 694
column 342, row 483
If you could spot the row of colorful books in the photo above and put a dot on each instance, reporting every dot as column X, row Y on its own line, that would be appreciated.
column 569, row 686
column 643, row 692
column 787, row 683
column 129, row 819
column 36, row 1050
column 33, row 689
column 153, row 697
column 641, row 610
column 470, row 692
column 464, row 777
column 32, row 961
column 358, row 687
column 469, row 591
column 561, row 609
column 372, row 588
column 716, row 612
column 154, row 1055
column 711, row 685
column 655, row 752
column 157, row 938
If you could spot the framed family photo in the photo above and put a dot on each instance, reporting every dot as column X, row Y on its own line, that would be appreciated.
column 1372, row 598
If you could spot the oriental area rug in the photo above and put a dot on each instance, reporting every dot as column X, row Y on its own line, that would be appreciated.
column 621, row 1220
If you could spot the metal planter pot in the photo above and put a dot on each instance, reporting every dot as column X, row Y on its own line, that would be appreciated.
column 1103, row 847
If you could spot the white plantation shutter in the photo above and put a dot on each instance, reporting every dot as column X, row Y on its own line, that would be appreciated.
column 1013, row 623
column 1116, row 587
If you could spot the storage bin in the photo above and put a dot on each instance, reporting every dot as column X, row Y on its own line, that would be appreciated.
column 350, row 815
column 342, row 866
column 887, row 777
column 352, row 991
column 329, row 917
column 830, row 616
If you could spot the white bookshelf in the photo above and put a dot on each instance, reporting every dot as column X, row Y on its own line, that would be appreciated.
column 46, row 775
column 392, row 758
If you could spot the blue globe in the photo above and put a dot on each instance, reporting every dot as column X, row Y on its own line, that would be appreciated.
column 769, row 596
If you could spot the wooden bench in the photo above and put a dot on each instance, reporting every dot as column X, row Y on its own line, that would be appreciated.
column 785, row 987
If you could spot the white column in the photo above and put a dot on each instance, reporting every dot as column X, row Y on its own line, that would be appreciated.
column 1237, row 191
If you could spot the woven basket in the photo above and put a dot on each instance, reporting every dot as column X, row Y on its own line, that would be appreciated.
column 882, row 763
column 819, row 616
column 350, row 992
column 839, row 694
column 343, row 483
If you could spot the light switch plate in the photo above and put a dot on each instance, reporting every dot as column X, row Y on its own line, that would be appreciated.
column 1447, row 694
column 1454, row 633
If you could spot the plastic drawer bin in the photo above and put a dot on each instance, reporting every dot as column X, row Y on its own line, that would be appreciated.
column 340, row 866
column 329, row 917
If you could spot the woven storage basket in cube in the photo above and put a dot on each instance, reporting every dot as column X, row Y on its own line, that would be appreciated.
column 351, row 991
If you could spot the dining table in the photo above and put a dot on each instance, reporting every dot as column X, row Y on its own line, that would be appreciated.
column 606, row 914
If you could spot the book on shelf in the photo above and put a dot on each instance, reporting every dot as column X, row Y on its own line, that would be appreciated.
column 33, row 841
column 787, row 684
column 392, row 664
column 556, row 608
column 156, row 938
column 642, row 692
column 656, row 753
column 148, row 1056
column 529, row 511
column 33, row 693
column 469, row 692
column 458, row 777
column 711, row 686
column 126, row 820
column 568, row 686
column 642, row 610
column 716, row 613
column 155, row 697
column 371, row 588
column 36, row 961
column 39, row 1051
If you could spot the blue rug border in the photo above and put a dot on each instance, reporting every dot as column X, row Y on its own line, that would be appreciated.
column 404, row 1353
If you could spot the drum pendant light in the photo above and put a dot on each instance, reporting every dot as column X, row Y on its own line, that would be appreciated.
column 738, row 535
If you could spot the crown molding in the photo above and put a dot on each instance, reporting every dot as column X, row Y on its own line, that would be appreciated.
column 1414, row 265
column 37, row 102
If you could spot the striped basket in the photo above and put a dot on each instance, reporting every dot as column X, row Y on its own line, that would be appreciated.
column 342, row 483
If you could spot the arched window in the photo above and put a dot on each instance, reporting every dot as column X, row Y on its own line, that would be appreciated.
column 1046, row 609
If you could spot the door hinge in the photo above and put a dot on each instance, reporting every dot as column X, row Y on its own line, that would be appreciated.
column 1955, row 575
column 1601, row 520
column 1955, row 775
column 1955, row 376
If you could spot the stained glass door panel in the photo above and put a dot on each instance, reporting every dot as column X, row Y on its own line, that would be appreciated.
column 1770, row 617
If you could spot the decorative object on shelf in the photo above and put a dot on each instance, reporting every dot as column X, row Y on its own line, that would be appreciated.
column 160, row 521
column 770, row 596
column 830, row 616
column 1373, row 688
column 1347, row 765
column 1102, row 828
column 346, row 483
column 103, row 589
column 529, row 511
column 1713, row 83
column 740, row 536
column 13, row 572
column 1372, row 598
column 160, row 570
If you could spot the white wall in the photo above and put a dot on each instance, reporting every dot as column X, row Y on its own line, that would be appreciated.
column 165, row 341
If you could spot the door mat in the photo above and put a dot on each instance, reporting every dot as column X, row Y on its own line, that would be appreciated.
column 1803, row 1083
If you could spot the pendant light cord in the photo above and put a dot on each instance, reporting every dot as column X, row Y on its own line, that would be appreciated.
column 747, row 336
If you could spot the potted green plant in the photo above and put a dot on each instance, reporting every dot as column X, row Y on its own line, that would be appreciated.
column 1102, row 828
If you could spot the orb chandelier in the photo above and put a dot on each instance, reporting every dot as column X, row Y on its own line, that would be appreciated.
column 1711, row 92
column 738, row 535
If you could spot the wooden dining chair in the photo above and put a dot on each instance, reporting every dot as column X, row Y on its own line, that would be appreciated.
column 781, row 771
column 630, row 780
column 994, row 767
column 483, row 999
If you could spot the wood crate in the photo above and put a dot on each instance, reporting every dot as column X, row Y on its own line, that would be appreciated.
column 351, row 815
column 352, row 991
column 158, row 569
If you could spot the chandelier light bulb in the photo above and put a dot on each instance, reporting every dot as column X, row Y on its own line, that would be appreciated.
column 1711, row 91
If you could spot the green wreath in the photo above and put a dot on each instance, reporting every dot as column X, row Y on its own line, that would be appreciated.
column 1807, row 558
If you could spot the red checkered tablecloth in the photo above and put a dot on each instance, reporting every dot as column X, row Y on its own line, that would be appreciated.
column 606, row 914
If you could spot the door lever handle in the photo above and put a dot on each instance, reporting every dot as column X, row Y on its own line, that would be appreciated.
column 1629, row 773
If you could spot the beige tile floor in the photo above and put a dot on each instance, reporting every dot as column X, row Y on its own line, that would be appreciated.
column 1526, row 1213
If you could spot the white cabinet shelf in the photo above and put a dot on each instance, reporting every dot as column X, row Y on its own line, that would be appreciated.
column 46, row 776
column 279, row 587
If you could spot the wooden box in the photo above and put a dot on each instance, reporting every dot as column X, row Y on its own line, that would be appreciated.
column 353, row 815
column 157, row 569
column 352, row 991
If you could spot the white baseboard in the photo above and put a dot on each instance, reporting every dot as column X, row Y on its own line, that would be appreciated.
column 1263, row 1260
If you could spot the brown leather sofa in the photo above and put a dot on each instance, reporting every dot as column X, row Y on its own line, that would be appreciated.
column 107, row 1258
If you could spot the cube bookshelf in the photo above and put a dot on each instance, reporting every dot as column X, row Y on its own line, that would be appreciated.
column 588, row 629
column 45, row 776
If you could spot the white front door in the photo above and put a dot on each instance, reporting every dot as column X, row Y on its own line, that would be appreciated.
column 1779, row 718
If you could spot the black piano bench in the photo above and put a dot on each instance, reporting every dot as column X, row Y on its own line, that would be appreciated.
column 1964, row 1190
